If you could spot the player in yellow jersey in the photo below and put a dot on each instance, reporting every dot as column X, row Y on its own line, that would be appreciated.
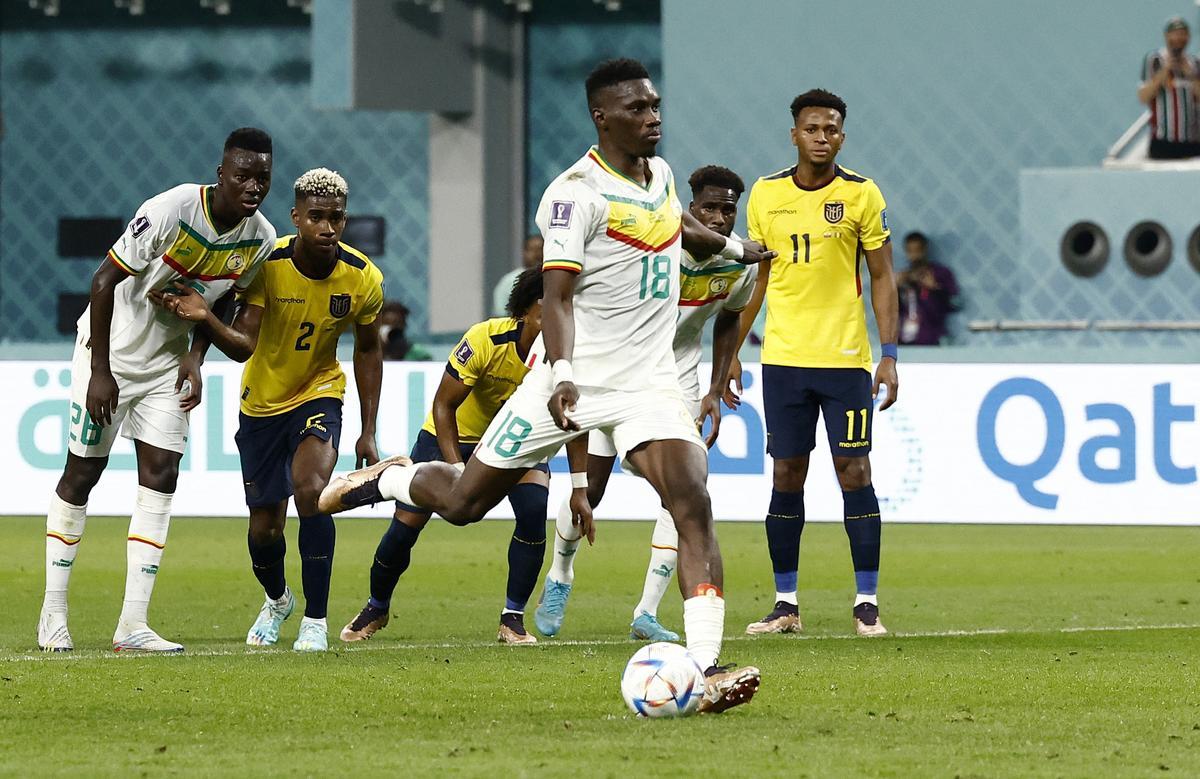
column 485, row 368
column 311, row 290
column 820, row 217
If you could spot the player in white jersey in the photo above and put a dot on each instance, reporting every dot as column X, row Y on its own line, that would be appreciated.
column 133, row 373
column 613, row 228
column 710, row 287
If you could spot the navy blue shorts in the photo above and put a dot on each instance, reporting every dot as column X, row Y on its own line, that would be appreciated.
column 426, row 450
column 266, row 445
column 793, row 396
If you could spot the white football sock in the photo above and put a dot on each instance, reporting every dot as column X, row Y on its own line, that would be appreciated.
column 566, row 542
column 664, row 557
column 394, row 482
column 144, row 550
column 703, row 626
column 786, row 597
column 861, row 598
column 64, row 528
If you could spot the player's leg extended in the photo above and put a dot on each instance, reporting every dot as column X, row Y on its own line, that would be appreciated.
column 560, row 578
column 664, row 557
column 848, row 409
column 64, row 529
column 158, row 472
column 265, row 541
column 526, row 552
column 678, row 471
column 312, row 465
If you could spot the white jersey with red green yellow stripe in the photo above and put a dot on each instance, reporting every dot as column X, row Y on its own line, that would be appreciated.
column 172, row 238
column 706, row 287
column 624, row 241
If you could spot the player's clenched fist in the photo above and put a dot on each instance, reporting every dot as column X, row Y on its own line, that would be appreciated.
column 562, row 400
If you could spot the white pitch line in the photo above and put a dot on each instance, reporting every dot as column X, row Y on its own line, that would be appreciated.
column 364, row 646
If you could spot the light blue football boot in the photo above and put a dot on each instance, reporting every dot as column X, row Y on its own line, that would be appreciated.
column 647, row 628
column 314, row 636
column 265, row 630
column 552, row 607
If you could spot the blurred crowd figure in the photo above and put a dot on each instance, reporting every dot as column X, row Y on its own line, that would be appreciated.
column 1170, row 88
column 393, row 329
column 531, row 257
column 928, row 295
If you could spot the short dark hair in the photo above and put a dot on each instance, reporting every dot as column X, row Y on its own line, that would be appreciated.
column 250, row 139
column 612, row 72
column 526, row 291
column 818, row 98
column 917, row 236
column 715, row 176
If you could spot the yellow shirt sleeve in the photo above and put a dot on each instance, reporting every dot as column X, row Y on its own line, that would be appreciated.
column 256, row 293
column 374, row 298
column 469, row 359
column 872, row 227
column 753, row 225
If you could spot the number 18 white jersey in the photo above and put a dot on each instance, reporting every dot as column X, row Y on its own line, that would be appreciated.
column 624, row 241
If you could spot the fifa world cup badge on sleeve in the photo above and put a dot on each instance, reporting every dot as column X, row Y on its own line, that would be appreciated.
column 560, row 213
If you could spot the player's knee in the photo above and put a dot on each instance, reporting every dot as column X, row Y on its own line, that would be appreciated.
column 691, row 506
column 265, row 533
column 789, row 475
column 307, row 489
column 159, row 475
column 78, row 480
column 853, row 473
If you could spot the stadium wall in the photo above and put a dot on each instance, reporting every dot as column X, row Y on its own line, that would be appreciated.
column 987, row 443
column 98, row 120
column 948, row 103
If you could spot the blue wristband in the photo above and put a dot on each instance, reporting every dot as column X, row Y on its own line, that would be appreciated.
column 889, row 350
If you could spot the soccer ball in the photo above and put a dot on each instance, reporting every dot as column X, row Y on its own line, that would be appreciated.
column 662, row 680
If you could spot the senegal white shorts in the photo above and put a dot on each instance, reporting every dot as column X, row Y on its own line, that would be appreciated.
column 147, row 410
column 523, row 433
column 601, row 443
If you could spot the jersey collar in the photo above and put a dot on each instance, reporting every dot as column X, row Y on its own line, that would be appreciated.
column 206, row 194
column 598, row 158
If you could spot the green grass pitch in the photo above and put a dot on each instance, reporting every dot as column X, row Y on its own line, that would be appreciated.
column 1018, row 651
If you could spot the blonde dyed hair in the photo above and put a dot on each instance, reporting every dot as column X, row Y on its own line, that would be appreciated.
column 322, row 182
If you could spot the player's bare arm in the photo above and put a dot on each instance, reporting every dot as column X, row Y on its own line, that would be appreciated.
column 236, row 341
column 558, row 332
column 451, row 393
column 745, row 324
column 581, row 507
column 885, row 301
column 703, row 242
column 102, row 393
column 368, row 378
column 725, row 345
column 189, row 366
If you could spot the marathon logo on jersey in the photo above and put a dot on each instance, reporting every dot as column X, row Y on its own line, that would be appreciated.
column 139, row 226
column 834, row 211
column 339, row 305
column 883, row 219
column 560, row 213
column 464, row 352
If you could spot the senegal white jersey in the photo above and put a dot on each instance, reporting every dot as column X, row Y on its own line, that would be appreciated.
column 172, row 238
column 706, row 287
column 624, row 241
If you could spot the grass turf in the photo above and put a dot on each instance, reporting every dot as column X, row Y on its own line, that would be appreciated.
column 1076, row 655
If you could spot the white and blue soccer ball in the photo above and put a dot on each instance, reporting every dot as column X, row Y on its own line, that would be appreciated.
column 662, row 680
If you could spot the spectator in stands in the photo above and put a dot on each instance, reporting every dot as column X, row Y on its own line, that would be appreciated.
column 928, row 295
column 393, row 327
column 1171, row 88
column 531, row 257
